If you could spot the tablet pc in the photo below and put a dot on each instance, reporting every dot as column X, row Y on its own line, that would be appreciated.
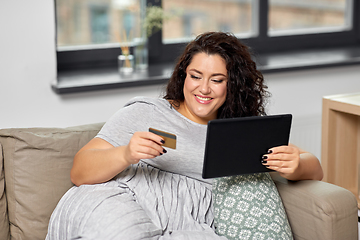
column 235, row 146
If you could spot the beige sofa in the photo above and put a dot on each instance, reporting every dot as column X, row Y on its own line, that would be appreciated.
column 35, row 172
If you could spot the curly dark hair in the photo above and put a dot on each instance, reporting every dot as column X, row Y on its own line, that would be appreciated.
column 246, row 91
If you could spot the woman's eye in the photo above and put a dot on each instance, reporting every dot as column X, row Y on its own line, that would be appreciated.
column 194, row 77
column 218, row 80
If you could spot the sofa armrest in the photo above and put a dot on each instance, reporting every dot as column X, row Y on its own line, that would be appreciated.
column 4, row 221
column 319, row 210
column 36, row 170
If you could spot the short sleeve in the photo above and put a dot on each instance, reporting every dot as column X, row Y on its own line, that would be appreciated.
column 135, row 116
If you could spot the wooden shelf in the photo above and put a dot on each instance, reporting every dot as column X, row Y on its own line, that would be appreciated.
column 340, row 154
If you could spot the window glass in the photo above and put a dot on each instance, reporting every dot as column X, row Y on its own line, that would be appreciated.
column 188, row 18
column 291, row 16
column 98, row 22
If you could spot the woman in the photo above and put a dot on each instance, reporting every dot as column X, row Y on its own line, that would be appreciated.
column 131, row 187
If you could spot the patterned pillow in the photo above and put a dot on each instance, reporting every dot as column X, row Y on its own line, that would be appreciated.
column 249, row 207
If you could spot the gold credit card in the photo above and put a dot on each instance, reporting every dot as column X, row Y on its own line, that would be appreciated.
column 169, row 138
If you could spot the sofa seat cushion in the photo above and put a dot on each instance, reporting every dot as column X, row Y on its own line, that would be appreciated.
column 37, row 163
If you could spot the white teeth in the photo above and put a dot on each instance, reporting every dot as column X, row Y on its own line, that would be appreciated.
column 202, row 98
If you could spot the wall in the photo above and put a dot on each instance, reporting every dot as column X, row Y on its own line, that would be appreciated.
column 28, row 66
column 301, row 92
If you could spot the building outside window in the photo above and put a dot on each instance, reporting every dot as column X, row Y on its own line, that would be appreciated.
column 84, row 23
column 91, row 32
column 90, row 22
column 290, row 17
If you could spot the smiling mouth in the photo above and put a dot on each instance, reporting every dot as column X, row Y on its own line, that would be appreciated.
column 203, row 98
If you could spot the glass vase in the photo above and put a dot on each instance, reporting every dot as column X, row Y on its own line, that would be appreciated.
column 141, row 55
column 126, row 64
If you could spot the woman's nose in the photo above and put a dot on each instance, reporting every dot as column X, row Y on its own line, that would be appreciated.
column 204, row 87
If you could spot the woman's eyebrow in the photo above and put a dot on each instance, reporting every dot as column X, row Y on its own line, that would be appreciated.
column 218, row 74
column 214, row 74
column 195, row 70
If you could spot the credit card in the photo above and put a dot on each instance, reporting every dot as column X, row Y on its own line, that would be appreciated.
column 169, row 138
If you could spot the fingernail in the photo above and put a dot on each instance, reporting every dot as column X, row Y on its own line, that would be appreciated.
column 264, row 157
column 270, row 151
column 160, row 154
column 162, row 141
column 164, row 151
column 263, row 162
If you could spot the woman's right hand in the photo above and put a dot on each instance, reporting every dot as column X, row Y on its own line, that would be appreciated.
column 99, row 161
column 143, row 145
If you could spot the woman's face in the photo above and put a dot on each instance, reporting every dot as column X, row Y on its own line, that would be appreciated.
column 204, row 88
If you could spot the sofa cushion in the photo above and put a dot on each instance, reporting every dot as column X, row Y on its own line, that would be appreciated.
column 4, row 223
column 37, row 163
column 249, row 207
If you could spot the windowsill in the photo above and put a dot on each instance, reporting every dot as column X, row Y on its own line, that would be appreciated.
column 99, row 79
column 109, row 78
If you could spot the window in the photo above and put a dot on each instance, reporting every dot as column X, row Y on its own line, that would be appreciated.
column 89, row 32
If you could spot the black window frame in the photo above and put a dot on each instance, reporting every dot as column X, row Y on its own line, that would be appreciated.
column 261, row 44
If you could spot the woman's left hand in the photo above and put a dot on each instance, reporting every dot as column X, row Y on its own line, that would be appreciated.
column 284, row 159
column 293, row 163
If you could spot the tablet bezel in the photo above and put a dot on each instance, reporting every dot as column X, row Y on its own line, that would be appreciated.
column 235, row 146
